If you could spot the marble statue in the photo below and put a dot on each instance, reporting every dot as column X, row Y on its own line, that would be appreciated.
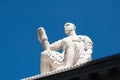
column 76, row 50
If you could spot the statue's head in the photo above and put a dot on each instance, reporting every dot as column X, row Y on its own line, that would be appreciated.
column 69, row 27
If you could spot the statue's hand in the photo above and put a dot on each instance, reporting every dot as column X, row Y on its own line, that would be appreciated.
column 42, row 34
column 81, row 53
column 46, row 52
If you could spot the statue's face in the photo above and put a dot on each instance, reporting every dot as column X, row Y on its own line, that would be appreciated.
column 68, row 28
column 67, row 31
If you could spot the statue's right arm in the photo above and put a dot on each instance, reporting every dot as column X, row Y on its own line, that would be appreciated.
column 56, row 45
column 42, row 37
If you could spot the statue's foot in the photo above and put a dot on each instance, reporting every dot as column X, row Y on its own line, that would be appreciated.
column 62, row 67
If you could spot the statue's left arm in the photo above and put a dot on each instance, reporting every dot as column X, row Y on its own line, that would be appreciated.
column 88, row 45
column 87, row 52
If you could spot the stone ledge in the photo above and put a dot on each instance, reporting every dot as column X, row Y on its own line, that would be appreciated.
column 96, row 68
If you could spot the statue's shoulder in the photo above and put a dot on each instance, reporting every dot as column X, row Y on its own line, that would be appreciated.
column 66, row 38
column 82, row 36
column 85, row 37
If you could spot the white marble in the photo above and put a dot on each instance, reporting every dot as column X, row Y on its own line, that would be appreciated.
column 77, row 50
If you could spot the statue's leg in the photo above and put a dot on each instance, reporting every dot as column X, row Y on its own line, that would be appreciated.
column 45, row 65
column 84, row 60
column 50, row 60
column 69, row 53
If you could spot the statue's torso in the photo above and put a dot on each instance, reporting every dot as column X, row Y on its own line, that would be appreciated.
column 77, row 41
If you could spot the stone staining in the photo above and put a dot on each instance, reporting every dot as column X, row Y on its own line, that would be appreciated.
column 77, row 50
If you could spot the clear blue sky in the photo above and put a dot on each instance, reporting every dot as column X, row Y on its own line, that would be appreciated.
column 19, row 20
